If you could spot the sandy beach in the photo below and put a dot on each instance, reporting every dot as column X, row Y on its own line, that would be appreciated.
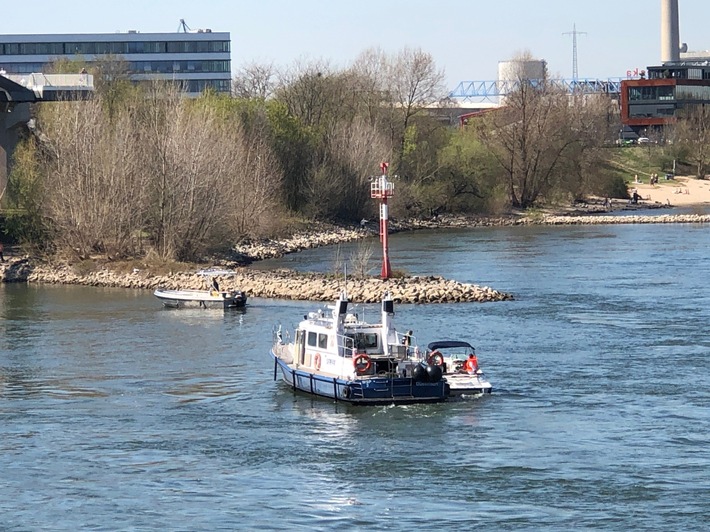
column 679, row 192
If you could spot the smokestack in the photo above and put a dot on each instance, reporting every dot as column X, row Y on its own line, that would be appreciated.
column 670, row 31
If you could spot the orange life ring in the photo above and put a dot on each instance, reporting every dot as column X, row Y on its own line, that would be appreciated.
column 316, row 361
column 435, row 358
column 362, row 363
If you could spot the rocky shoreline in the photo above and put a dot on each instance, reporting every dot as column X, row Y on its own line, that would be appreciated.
column 280, row 284
column 261, row 249
column 286, row 284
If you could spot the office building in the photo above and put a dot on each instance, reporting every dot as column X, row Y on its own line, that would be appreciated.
column 649, row 104
column 198, row 60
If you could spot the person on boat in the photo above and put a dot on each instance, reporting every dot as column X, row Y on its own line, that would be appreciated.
column 471, row 364
column 215, row 284
column 407, row 340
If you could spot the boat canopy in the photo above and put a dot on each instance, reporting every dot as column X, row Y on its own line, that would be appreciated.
column 444, row 344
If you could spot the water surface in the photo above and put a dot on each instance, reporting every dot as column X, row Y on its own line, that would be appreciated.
column 118, row 414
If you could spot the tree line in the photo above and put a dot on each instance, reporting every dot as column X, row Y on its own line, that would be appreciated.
column 139, row 168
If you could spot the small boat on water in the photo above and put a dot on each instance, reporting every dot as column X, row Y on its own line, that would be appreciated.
column 460, row 367
column 209, row 298
column 339, row 356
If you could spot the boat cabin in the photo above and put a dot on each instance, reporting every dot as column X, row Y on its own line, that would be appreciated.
column 341, row 344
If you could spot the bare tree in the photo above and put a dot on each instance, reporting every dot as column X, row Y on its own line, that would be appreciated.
column 355, row 150
column 414, row 82
column 692, row 133
column 254, row 80
column 369, row 85
column 210, row 180
column 361, row 258
column 254, row 181
column 530, row 136
column 95, row 198
column 311, row 93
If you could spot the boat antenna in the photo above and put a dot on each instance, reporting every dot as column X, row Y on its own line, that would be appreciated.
column 345, row 280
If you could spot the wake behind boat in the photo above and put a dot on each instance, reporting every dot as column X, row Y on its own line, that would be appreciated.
column 339, row 356
column 212, row 298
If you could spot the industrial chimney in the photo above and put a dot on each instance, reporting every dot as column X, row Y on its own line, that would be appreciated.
column 670, row 31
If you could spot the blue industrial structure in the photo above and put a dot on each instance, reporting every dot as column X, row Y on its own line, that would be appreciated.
column 493, row 89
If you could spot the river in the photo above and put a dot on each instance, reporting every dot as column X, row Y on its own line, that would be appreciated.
column 118, row 414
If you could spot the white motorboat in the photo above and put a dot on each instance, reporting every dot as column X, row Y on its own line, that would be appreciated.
column 460, row 367
column 340, row 356
column 212, row 298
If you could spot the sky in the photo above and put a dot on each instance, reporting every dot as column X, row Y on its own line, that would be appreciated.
column 466, row 38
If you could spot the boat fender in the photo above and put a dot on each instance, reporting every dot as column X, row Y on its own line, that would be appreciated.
column 316, row 361
column 419, row 373
column 436, row 358
column 362, row 363
column 434, row 372
column 347, row 392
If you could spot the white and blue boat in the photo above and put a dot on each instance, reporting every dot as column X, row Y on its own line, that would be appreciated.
column 214, row 297
column 459, row 364
column 337, row 355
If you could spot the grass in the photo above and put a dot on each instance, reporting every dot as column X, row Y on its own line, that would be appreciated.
column 637, row 160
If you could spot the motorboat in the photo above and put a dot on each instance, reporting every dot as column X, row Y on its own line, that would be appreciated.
column 337, row 355
column 459, row 365
column 214, row 297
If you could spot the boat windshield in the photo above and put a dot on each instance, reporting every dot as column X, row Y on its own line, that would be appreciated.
column 363, row 340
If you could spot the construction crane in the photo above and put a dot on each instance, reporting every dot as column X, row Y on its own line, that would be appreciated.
column 184, row 27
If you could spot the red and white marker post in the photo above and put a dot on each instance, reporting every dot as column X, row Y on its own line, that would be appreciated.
column 382, row 189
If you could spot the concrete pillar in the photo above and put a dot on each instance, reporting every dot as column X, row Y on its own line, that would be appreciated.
column 13, row 118
column 670, row 31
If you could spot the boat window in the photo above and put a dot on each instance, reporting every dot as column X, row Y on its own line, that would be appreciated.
column 312, row 339
column 365, row 340
column 323, row 341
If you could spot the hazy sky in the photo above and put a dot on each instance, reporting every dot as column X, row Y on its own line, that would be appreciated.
column 467, row 38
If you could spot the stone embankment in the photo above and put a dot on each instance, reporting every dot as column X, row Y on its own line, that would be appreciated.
column 630, row 219
column 281, row 284
column 260, row 249
column 284, row 284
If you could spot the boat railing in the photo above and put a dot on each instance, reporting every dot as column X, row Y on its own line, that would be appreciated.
column 281, row 336
column 398, row 351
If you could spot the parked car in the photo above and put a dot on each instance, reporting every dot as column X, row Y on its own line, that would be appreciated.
column 643, row 140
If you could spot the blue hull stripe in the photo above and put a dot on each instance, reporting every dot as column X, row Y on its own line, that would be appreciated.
column 399, row 390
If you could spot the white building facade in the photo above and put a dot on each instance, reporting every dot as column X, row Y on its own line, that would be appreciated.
column 197, row 60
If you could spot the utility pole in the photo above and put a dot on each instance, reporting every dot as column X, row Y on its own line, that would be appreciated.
column 574, row 34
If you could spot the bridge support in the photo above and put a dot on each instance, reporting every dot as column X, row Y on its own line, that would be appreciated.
column 13, row 119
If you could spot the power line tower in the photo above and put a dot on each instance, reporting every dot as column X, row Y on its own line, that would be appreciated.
column 574, row 34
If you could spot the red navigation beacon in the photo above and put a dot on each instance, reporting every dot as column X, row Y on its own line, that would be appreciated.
column 381, row 188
